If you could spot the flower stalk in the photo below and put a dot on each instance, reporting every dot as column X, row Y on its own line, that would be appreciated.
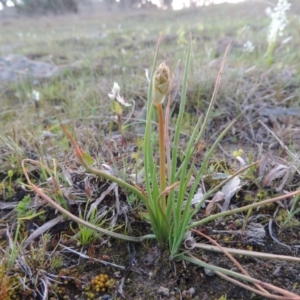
column 278, row 24
column 160, row 88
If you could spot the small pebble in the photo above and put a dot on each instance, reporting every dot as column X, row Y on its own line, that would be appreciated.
column 191, row 291
column 209, row 272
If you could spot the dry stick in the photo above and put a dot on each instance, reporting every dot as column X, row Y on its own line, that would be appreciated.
column 291, row 296
column 236, row 263
column 243, row 208
column 106, row 263
column 248, row 253
column 288, row 295
column 40, row 230
column 234, row 281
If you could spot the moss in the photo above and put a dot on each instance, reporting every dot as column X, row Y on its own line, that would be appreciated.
column 10, row 287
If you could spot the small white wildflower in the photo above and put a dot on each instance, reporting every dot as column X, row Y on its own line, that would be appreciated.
column 248, row 47
column 114, row 91
column 278, row 19
column 115, row 95
column 35, row 95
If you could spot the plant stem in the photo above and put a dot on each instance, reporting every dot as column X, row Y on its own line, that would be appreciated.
column 243, row 208
column 251, row 253
column 162, row 155
column 270, row 53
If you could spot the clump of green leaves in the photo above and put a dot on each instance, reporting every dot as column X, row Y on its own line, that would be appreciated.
column 86, row 235
column 56, row 262
column 23, row 207
column 170, row 210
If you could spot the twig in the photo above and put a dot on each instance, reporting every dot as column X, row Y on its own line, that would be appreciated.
column 235, row 262
column 248, row 253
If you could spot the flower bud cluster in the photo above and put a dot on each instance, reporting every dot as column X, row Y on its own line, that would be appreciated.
column 160, row 84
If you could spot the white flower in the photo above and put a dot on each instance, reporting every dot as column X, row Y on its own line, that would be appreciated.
column 279, row 19
column 115, row 95
column 114, row 91
column 248, row 47
column 35, row 95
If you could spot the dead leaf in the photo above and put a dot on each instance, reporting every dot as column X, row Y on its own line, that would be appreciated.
column 275, row 172
column 218, row 197
column 229, row 190
column 197, row 197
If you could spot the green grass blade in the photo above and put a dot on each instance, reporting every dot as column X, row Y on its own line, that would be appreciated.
column 205, row 163
column 241, row 209
column 195, row 141
column 181, row 112
column 149, row 101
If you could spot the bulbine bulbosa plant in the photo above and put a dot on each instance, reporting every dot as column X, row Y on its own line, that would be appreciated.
column 170, row 210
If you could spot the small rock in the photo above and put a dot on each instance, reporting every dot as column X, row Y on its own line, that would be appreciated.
column 14, row 68
column 209, row 272
column 188, row 294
